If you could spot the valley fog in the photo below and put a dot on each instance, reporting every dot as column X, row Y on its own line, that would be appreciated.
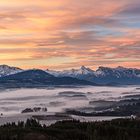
column 13, row 101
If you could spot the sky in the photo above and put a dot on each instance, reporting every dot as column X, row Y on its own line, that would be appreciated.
column 63, row 34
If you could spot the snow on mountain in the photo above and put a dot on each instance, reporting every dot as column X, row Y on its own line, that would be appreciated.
column 7, row 70
column 118, row 72
column 53, row 72
column 39, row 78
column 71, row 73
column 100, row 72
column 102, row 75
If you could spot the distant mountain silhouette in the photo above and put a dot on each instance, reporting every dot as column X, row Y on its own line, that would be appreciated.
column 37, row 78
column 82, row 76
column 103, row 75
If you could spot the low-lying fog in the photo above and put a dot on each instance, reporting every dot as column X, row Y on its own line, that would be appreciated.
column 58, row 99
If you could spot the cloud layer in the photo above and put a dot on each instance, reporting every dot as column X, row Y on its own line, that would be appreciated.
column 67, row 33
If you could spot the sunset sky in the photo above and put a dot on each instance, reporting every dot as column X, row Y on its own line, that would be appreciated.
column 63, row 34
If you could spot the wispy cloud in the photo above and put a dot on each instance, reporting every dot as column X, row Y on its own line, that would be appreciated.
column 65, row 33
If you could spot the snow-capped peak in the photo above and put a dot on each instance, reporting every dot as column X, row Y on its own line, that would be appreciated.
column 72, row 72
column 85, row 70
column 102, row 75
column 82, row 72
column 118, row 72
column 7, row 70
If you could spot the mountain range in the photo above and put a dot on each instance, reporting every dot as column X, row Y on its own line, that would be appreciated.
column 103, row 75
column 36, row 78
column 12, row 76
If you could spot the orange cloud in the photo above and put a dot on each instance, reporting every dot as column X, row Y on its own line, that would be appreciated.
column 62, row 34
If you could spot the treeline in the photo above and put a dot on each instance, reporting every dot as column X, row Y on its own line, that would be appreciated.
column 120, row 129
column 120, row 110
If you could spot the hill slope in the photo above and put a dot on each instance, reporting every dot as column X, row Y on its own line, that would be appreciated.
column 37, row 78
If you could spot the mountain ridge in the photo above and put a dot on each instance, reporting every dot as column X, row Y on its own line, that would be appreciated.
column 38, row 78
column 101, row 76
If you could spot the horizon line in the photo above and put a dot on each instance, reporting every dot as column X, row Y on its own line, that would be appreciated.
column 69, row 67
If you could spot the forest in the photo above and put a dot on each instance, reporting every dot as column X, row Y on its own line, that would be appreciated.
column 119, row 129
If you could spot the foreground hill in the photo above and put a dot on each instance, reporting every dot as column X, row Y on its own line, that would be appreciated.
column 121, row 129
column 37, row 78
